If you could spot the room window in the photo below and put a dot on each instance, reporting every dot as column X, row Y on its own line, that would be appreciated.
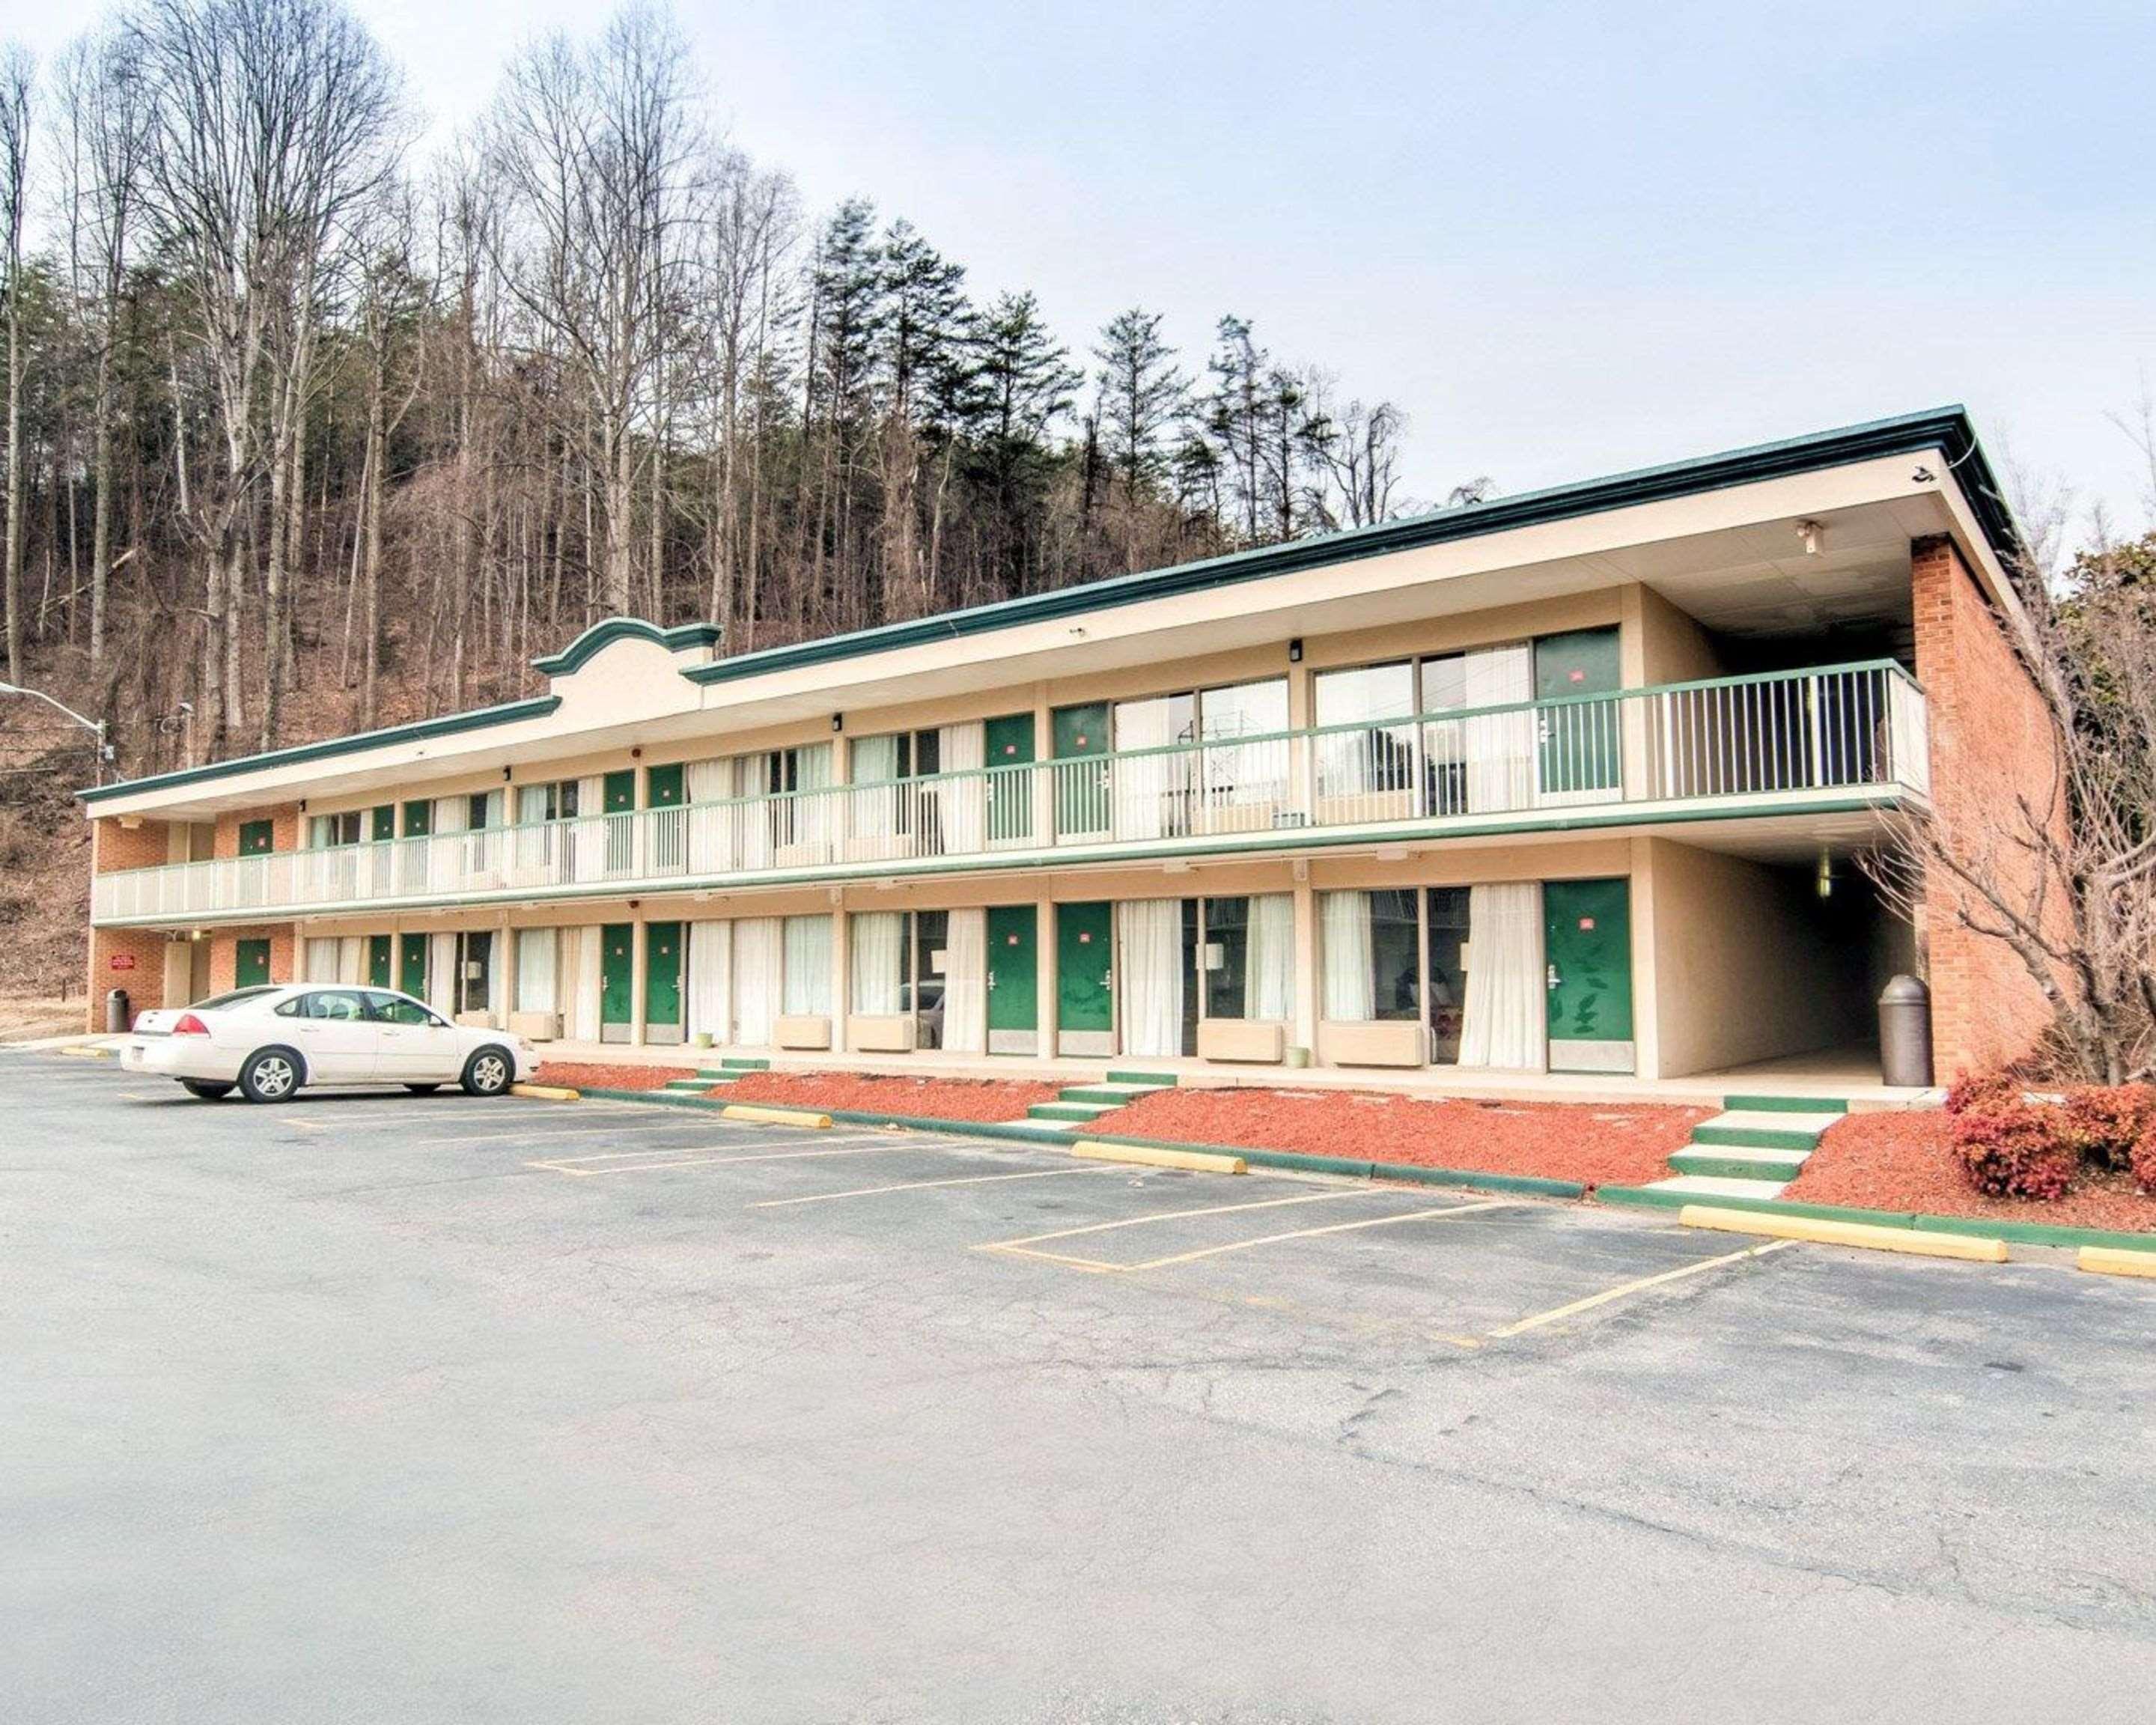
column 1369, row 945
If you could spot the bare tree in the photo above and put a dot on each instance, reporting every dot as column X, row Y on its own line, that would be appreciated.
column 17, row 79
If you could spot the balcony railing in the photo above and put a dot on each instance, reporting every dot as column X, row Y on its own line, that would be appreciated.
column 1783, row 739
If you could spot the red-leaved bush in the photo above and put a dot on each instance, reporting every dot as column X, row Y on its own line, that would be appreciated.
column 1969, row 1095
column 2011, row 1148
column 2104, row 1123
column 2144, row 1161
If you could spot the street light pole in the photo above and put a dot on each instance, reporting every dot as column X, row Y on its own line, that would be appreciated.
column 94, row 726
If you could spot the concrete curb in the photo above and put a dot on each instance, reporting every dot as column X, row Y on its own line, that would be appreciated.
column 544, row 1093
column 1911, row 1240
column 1198, row 1161
column 1982, row 1227
column 2110, row 1260
column 756, row 1115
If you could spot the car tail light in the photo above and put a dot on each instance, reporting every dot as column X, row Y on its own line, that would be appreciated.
column 190, row 1025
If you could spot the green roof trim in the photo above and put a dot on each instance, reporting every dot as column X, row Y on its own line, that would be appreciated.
column 450, row 725
column 1945, row 428
column 603, row 634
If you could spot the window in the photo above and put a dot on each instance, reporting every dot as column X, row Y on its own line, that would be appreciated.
column 218, row 1003
column 807, row 990
column 338, row 1005
column 1248, row 958
column 1374, row 759
column 327, row 830
column 396, row 1009
column 1446, row 985
column 474, row 979
column 928, row 948
column 1369, row 944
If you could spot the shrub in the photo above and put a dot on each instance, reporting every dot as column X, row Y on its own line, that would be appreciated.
column 2104, row 1123
column 2012, row 1149
column 2144, row 1160
column 1971, row 1095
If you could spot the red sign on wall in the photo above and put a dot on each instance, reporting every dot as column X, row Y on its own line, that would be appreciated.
column 123, row 961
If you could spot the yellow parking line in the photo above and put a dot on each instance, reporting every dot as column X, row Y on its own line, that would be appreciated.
column 1097, row 1265
column 1210, row 1209
column 1634, row 1287
column 1244, row 1246
column 1046, row 1173
column 825, row 1146
column 638, row 1167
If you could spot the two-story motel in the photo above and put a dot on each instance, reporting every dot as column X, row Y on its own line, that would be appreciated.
column 1568, row 783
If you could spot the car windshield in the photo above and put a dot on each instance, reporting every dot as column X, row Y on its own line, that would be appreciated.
column 217, row 1002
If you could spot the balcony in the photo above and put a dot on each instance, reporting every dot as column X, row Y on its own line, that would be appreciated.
column 1778, row 743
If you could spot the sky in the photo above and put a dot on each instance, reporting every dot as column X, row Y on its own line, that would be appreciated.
column 1567, row 238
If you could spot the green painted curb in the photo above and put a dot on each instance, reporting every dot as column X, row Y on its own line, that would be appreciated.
column 1731, row 1168
column 1164, row 1081
column 1754, row 1137
column 1095, row 1093
column 1784, row 1105
column 670, row 1098
column 1533, row 1184
column 2036, row 1232
column 716, row 1075
column 733, row 1064
column 1077, row 1113
column 1660, row 1197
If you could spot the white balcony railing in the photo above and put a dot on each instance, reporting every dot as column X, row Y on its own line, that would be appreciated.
column 1778, row 738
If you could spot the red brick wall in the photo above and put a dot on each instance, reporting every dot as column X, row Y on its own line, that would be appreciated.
column 1990, row 743
column 113, row 847
column 145, row 983
column 285, row 834
column 224, row 954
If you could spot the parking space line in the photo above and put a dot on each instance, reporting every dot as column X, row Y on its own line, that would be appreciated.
column 1211, row 1209
column 1044, row 1173
column 651, row 1150
column 637, row 1167
column 1640, row 1286
column 1097, row 1265
column 1245, row 1245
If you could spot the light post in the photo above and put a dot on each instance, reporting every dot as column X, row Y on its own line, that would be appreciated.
column 94, row 726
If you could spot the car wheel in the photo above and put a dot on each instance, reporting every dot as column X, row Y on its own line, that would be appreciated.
column 205, row 1089
column 272, row 1076
column 422, row 1089
column 488, row 1073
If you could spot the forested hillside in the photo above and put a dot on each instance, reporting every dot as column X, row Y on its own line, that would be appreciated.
column 307, row 429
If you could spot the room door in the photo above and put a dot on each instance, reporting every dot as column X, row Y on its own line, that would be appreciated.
column 1080, row 733
column 1007, row 742
column 1013, row 980
column 1586, row 947
column 412, row 965
column 617, row 981
column 381, row 950
column 251, row 964
column 662, row 981
column 1579, row 746
column 1085, row 980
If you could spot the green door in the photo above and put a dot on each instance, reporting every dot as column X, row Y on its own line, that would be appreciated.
column 1085, row 1006
column 620, row 793
column 412, row 965
column 1587, row 944
column 418, row 819
column 382, row 823
column 617, row 981
column 1014, row 979
column 1007, row 742
column 662, row 790
column 1082, row 792
column 251, row 964
column 619, row 797
column 379, row 949
column 1578, row 739
column 257, row 838
column 662, row 981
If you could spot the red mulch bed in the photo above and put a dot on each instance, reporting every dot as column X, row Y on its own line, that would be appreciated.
column 877, row 1093
column 584, row 1075
column 1613, row 1146
column 1903, row 1159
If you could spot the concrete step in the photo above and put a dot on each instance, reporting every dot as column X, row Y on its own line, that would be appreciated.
column 1736, row 1162
column 737, row 1063
column 1077, row 1113
column 1152, row 1080
column 1689, row 1187
column 1784, row 1105
column 1766, row 1130
column 1038, row 1128
column 716, row 1075
column 1114, row 1094
column 696, row 1087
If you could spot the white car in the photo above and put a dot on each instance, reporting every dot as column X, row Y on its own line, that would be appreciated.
column 268, row 1043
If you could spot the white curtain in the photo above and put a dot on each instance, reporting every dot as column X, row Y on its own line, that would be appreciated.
column 442, row 973
column 581, row 1021
column 587, row 839
column 1505, row 1021
column 1345, row 957
column 352, row 960
column 446, row 849
column 1142, row 785
column 966, row 983
column 1501, row 746
column 1269, row 964
column 757, row 967
column 808, row 988
column 710, row 785
column 874, row 809
column 711, row 978
column 877, row 969
column 812, row 808
column 961, row 748
column 321, row 960
column 497, row 978
column 1152, row 975
column 755, row 816
column 532, row 841
column 535, row 952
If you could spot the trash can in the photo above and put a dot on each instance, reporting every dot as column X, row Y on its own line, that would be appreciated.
column 115, row 1013
column 1904, row 1034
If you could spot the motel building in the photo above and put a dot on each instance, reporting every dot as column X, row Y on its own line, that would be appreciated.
column 1564, row 792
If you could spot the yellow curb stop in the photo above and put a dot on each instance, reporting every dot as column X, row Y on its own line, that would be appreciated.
column 545, row 1093
column 2116, row 1261
column 774, row 1116
column 1199, row 1162
column 1821, row 1232
column 82, row 1053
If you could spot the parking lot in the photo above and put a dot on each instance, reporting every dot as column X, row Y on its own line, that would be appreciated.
column 381, row 1407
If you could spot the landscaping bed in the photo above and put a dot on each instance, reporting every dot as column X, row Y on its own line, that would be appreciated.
column 593, row 1075
column 879, row 1093
column 1595, row 1146
column 1904, row 1159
